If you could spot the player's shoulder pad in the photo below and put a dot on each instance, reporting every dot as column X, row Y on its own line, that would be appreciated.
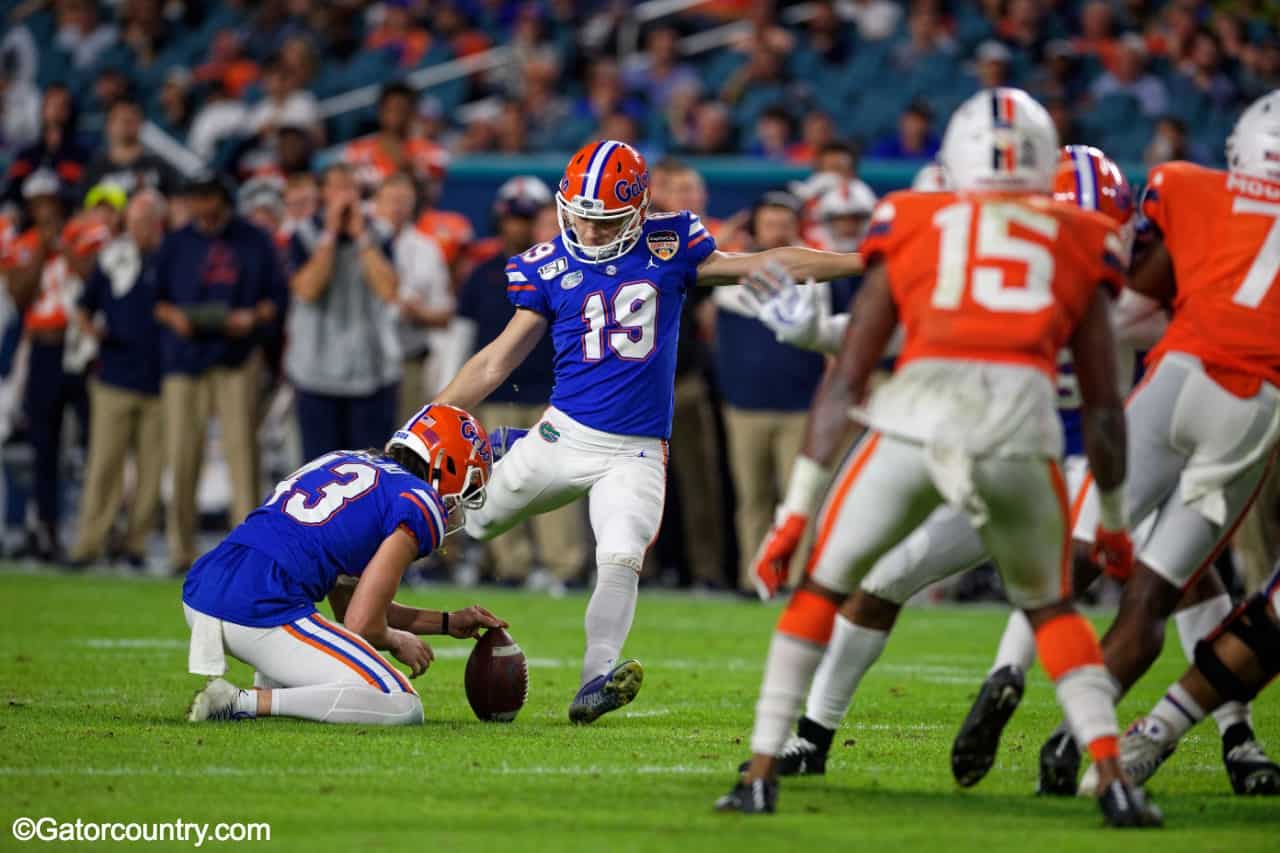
column 667, row 233
column 900, row 206
column 540, row 262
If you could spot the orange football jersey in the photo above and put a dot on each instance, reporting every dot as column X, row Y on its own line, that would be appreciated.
column 991, row 277
column 1222, row 231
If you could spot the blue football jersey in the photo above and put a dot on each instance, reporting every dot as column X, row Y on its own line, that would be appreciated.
column 327, row 519
column 615, row 324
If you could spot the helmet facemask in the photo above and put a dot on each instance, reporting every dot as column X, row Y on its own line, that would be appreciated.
column 472, row 494
column 629, row 222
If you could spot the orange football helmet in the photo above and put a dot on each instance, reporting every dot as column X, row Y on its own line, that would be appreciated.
column 1092, row 180
column 606, row 182
column 456, row 449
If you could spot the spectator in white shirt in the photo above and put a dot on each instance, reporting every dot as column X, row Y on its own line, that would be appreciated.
column 425, row 298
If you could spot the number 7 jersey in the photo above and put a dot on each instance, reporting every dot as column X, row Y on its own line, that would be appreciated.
column 996, row 278
column 1222, row 231
column 614, row 324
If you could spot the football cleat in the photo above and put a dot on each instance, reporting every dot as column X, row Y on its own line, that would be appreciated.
column 1059, row 764
column 607, row 692
column 1142, row 751
column 1126, row 806
column 1251, row 772
column 216, row 701
column 759, row 796
column 798, row 757
column 974, row 749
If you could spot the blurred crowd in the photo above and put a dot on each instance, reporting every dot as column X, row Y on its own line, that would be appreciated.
column 253, row 87
column 173, row 339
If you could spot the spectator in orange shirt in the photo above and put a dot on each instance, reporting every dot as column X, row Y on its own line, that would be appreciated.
column 392, row 149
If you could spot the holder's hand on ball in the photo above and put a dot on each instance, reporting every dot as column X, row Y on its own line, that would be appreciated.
column 468, row 621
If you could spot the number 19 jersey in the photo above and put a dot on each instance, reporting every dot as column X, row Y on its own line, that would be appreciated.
column 991, row 277
column 615, row 323
column 328, row 518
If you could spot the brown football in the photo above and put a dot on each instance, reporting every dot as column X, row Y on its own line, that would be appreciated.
column 497, row 678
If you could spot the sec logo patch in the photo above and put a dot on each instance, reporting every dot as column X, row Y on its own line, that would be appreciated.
column 663, row 244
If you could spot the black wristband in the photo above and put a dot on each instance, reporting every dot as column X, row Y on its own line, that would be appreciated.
column 444, row 621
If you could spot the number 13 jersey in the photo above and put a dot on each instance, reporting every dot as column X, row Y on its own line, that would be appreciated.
column 328, row 518
column 614, row 324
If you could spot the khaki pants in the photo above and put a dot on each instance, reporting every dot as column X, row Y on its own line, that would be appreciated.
column 413, row 393
column 762, row 446
column 230, row 394
column 694, row 462
column 1257, row 541
column 120, row 420
column 560, row 535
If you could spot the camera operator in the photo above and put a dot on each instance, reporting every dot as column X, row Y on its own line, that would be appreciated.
column 343, row 354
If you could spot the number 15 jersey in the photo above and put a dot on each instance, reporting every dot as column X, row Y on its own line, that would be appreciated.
column 328, row 518
column 992, row 278
column 615, row 324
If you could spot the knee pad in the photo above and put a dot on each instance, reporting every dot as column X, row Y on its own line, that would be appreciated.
column 1253, row 626
column 408, row 709
column 606, row 561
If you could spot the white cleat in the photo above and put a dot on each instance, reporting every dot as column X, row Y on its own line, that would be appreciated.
column 1142, row 751
column 217, row 701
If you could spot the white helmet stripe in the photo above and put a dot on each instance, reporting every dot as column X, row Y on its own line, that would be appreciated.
column 595, row 167
column 1086, row 182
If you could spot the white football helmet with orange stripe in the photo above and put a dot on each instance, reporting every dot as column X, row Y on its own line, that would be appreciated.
column 1000, row 140
column 1253, row 148
column 605, row 183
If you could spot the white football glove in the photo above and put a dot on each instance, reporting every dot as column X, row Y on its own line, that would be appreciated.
column 797, row 317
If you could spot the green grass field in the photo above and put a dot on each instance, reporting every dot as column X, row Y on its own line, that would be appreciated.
column 93, row 686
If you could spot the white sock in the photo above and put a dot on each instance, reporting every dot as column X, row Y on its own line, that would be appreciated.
column 852, row 651
column 609, row 614
column 787, row 673
column 1017, row 644
column 1087, row 695
column 341, row 703
column 1194, row 624
column 1175, row 714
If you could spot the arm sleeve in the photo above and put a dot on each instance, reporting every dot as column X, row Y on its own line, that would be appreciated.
column 423, row 513
column 1114, row 267
column 1152, row 211
column 882, row 231
column 526, row 291
column 699, row 244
